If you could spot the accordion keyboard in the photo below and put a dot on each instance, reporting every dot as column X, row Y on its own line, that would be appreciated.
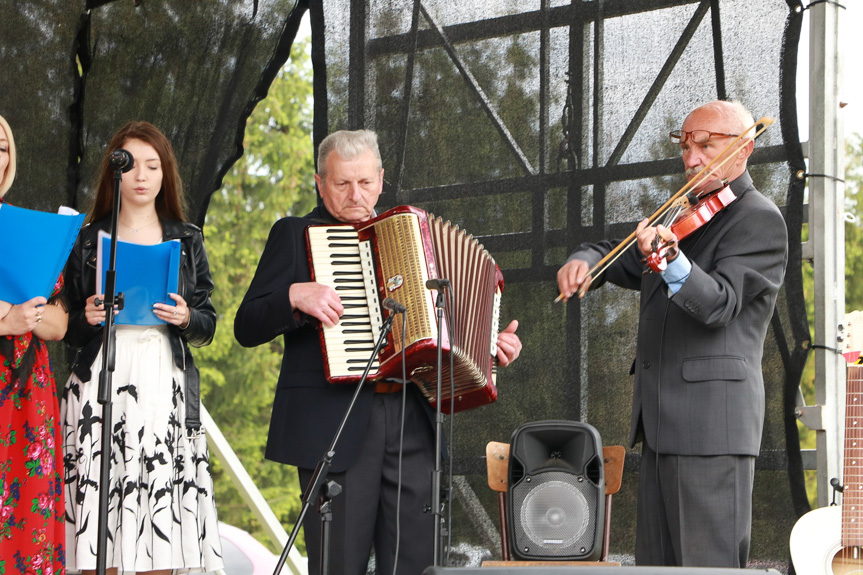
column 342, row 261
column 394, row 255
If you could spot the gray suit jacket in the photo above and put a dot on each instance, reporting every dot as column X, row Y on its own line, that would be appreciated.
column 699, row 389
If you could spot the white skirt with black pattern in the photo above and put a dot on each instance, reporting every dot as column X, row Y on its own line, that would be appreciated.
column 161, row 511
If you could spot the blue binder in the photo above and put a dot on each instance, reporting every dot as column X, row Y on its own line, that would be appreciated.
column 34, row 251
column 145, row 275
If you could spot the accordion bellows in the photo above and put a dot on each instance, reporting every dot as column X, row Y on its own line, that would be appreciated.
column 393, row 256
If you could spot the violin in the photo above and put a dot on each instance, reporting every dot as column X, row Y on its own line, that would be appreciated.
column 688, row 217
column 675, row 204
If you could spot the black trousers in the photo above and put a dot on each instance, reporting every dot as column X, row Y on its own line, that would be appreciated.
column 694, row 511
column 364, row 514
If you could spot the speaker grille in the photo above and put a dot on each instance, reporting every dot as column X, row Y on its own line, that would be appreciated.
column 557, row 515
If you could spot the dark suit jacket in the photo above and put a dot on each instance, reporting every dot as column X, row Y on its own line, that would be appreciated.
column 699, row 389
column 307, row 409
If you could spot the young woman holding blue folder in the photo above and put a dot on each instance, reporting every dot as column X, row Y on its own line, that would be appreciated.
column 31, row 460
column 162, row 514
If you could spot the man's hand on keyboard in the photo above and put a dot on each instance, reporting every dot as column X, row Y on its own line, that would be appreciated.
column 317, row 300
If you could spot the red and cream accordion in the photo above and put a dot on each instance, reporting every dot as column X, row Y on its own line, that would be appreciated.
column 393, row 255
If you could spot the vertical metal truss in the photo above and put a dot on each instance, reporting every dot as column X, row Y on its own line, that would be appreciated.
column 826, row 244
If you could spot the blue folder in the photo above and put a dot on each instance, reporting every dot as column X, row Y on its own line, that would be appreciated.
column 35, row 247
column 145, row 275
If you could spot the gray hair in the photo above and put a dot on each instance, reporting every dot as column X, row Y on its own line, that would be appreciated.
column 349, row 145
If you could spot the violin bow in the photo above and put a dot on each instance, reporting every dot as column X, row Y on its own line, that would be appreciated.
column 699, row 179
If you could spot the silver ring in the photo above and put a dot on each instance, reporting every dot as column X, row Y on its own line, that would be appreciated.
column 175, row 311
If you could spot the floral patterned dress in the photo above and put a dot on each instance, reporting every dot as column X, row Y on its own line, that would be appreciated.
column 32, row 531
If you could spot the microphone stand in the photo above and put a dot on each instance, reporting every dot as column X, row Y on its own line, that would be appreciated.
column 449, row 491
column 436, row 475
column 110, row 299
column 317, row 482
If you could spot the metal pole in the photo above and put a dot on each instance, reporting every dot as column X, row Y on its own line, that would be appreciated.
column 827, row 236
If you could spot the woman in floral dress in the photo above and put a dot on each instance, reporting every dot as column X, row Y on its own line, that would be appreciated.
column 31, row 459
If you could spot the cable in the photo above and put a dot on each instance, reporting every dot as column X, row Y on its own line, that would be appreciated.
column 656, row 452
column 401, row 448
column 451, row 425
column 815, row 2
column 819, row 346
column 801, row 175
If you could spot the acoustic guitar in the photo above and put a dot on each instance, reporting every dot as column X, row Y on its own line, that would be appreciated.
column 829, row 540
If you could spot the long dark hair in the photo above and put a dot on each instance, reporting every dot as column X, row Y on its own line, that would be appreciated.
column 171, row 202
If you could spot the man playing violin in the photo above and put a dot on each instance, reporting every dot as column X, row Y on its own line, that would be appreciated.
column 698, row 398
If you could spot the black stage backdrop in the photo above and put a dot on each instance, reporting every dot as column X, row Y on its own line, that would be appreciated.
column 534, row 125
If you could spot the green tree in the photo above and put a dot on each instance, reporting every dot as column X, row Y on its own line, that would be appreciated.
column 274, row 178
column 854, row 227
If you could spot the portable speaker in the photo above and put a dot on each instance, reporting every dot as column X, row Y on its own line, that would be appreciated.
column 556, row 491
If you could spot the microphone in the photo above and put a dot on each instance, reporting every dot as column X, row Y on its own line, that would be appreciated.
column 393, row 305
column 122, row 160
column 437, row 284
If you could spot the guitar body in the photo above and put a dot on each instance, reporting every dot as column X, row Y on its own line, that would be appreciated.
column 815, row 541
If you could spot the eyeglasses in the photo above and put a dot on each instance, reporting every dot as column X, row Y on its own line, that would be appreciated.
column 697, row 136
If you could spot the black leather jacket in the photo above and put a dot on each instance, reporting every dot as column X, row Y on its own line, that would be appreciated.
column 195, row 286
